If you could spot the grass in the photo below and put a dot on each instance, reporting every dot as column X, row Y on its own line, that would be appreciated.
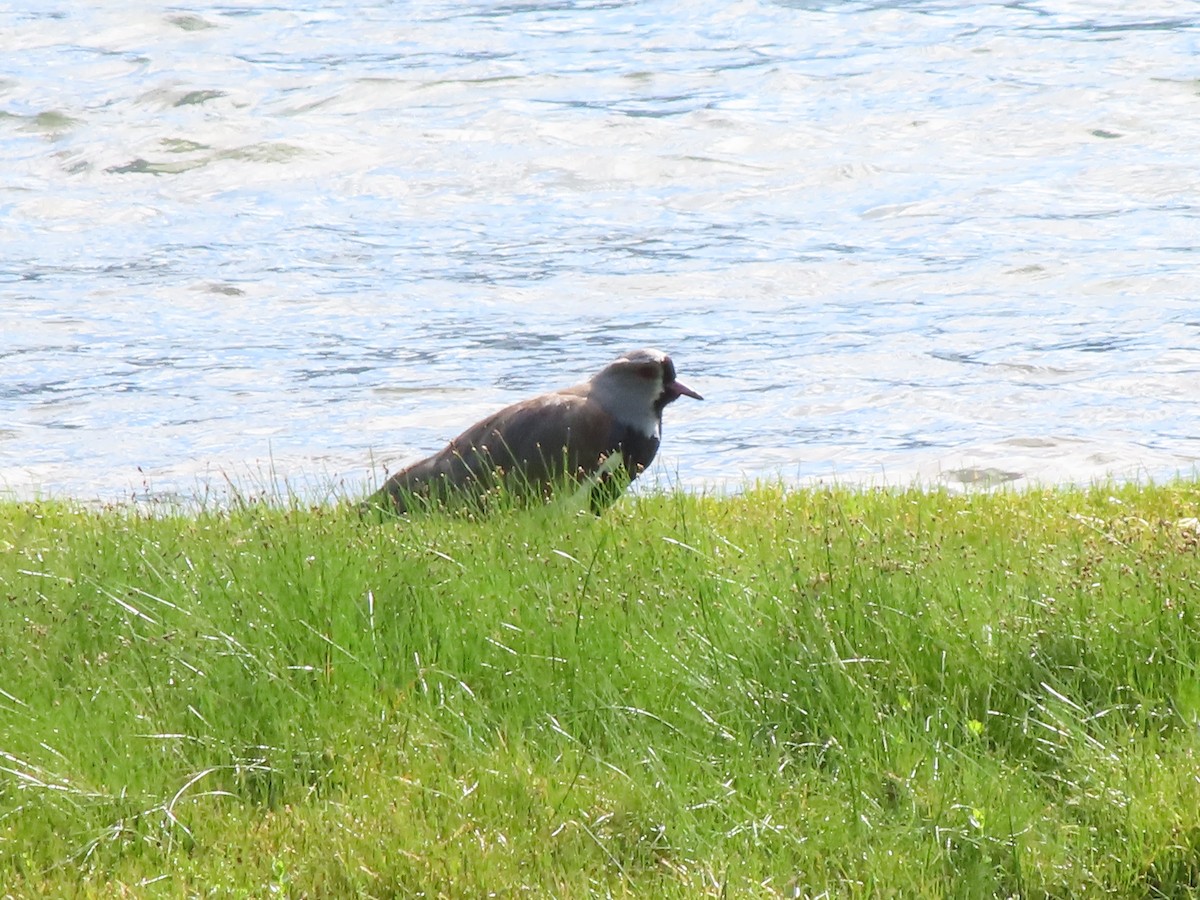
column 825, row 692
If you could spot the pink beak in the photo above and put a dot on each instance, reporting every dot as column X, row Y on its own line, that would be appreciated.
column 678, row 389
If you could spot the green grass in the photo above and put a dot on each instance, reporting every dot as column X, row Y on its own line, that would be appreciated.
column 889, row 693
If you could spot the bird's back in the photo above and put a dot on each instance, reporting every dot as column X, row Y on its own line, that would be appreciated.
column 529, row 446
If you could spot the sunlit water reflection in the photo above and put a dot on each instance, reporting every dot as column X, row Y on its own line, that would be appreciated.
column 887, row 241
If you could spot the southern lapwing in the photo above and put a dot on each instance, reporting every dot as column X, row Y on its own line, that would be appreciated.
column 600, row 434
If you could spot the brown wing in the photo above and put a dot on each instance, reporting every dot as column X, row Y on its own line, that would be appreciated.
column 533, row 443
column 538, row 440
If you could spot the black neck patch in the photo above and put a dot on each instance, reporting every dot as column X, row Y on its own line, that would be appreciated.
column 637, row 449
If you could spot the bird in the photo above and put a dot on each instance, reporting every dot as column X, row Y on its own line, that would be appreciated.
column 600, row 434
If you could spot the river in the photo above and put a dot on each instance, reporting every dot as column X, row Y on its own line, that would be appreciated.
column 300, row 244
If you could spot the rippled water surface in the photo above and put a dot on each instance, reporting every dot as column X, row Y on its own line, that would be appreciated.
column 886, row 240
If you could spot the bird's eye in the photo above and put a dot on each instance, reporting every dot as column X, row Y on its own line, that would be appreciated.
column 648, row 372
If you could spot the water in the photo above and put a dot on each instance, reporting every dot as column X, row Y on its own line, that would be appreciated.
column 887, row 240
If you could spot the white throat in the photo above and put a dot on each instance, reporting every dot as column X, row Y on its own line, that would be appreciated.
column 651, row 427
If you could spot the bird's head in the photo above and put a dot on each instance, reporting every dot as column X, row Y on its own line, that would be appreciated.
column 638, row 385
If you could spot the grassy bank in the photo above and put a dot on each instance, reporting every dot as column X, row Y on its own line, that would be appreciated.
column 860, row 693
